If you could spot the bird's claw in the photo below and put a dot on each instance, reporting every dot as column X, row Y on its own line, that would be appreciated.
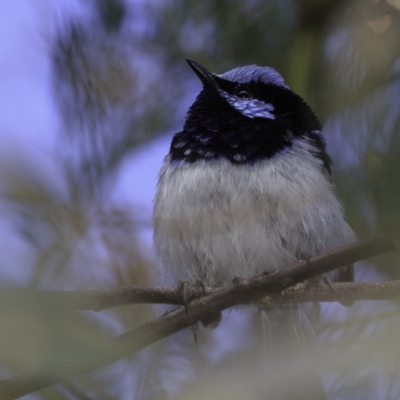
column 327, row 282
column 189, row 292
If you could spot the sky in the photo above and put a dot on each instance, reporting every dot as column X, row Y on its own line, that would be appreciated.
column 29, row 124
column 27, row 115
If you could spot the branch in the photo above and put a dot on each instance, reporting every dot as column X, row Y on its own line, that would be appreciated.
column 341, row 292
column 98, row 300
column 240, row 292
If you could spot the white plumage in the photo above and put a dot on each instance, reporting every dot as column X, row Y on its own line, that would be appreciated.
column 215, row 221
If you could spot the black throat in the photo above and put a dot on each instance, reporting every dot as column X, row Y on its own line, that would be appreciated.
column 215, row 130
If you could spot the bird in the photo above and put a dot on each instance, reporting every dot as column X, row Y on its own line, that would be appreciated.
column 245, row 189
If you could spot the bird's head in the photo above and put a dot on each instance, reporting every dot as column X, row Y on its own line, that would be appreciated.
column 244, row 115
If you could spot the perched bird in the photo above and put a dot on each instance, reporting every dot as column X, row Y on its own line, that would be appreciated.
column 246, row 188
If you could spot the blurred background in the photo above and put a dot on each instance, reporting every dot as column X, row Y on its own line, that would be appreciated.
column 91, row 94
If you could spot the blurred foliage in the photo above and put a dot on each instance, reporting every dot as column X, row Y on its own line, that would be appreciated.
column 119, row 80
column 384, row 173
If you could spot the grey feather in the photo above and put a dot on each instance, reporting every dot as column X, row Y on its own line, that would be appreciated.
column 214, row 222
column 291, row 356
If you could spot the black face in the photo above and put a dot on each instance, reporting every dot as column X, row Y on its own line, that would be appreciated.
column 216, row 126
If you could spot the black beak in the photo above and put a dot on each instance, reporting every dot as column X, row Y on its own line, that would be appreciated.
column 204, row 75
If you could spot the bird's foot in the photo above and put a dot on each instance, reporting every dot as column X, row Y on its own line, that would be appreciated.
column 190, row 292
column 327, row 282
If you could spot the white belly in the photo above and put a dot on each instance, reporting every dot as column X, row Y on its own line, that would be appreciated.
column 215, row 221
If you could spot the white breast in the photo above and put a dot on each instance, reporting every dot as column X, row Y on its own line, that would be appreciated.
column 216, row 221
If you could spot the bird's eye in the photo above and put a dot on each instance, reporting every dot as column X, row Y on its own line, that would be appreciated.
column 243, row 93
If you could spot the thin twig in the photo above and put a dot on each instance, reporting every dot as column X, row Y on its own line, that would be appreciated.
column 341, row 291
column 98, row 300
